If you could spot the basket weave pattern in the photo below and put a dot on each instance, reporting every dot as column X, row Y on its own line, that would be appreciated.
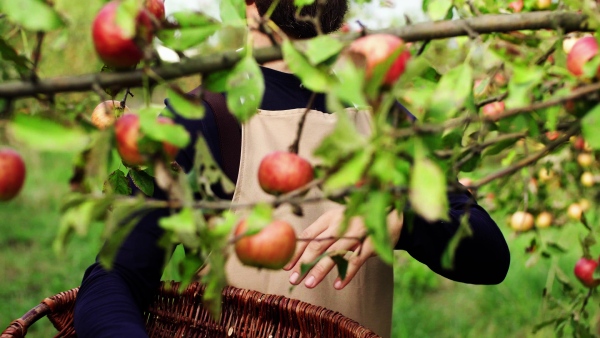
column 245, row 313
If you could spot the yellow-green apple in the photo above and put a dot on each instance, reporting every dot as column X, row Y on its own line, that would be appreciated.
column 582, row 51
column 574, row 211
column 105, row 114
column 521, row 221
column 271, row 248
column 545, row 174
column 543, row 220
column 113, row 45
column 12, row 173
column 376, row 49
column 584, row 203
column 281, row 172
column 587, row 179
column 543, row 4
column 584, row 271
column 128, row 133
column 585, row 159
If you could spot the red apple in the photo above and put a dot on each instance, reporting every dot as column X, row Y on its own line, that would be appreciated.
column 377, row 48
column 521, row 221
column 281, row 172
column 12, row 173
column 113, row 46
column 579, row 143
column 105, row 114
column 553, row 135
column 271, row 248
column 516, row 6
column 493, row 110
column 582, row 51
column 127, row 133
column 584, row 271
column 156, row 8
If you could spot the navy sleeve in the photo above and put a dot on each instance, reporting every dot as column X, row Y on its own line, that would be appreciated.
column 482, row 258
column 111, row 303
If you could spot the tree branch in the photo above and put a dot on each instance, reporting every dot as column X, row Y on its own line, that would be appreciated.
column 565, row 21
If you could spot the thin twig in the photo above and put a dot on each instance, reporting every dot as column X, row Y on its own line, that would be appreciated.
column 295, row 147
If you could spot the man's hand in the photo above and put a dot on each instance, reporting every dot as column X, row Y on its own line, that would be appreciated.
column 326, row 232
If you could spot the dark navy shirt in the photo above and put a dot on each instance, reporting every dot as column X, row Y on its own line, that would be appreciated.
column 110, row 303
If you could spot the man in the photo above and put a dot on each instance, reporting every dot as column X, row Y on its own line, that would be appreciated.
column 110, row 304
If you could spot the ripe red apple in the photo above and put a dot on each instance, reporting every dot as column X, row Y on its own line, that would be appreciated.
column 156, row 8
column 105, row 114
column 552, row 135
column 127, row 133
column 579, row 143
column 516, row 6
column 543, row 220
column 582, row 51
column 281, row 172
column 587, row 179
column 493, row 110
column 584, row 271
column 521, row 221
column 271, row 248
column 113, row 46
column 377, row 48
column 12, row 173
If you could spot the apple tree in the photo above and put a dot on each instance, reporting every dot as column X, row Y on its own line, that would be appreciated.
column 505, row 96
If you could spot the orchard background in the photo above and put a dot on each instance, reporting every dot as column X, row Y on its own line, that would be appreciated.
column 519, row 69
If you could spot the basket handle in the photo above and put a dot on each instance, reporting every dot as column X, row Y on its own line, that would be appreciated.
column 18, row 327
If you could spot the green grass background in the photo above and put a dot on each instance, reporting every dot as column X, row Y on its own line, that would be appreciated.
column 425, row 305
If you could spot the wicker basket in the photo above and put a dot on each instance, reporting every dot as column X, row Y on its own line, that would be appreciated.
column 245, row 313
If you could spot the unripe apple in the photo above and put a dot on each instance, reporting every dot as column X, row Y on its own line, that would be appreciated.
column 587, row 179
column 543, row 4
column 493, row 110
column 271, row 248
column 12, row 173
column 156, row 8
column 545, row 175
column 521, row 221
column 574, row 211
column 127, row 133
column 584, row 271
column 584, row 203
column 582, row 51
column 114, row 47
column 516, row 6
column 543, row 220
column 105, row 114
column 585, row 159
column 377, row 48
column 281, row 172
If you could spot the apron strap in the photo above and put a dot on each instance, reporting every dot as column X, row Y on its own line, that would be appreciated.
column 229, row 131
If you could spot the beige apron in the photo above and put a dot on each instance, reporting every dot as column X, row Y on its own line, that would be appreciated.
column 368, row 297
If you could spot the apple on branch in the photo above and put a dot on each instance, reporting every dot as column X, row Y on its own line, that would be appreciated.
column 114, row 46
column 281, row 172
column 376, row 49
column 128, row 134
column 156, row 8
column 12, row 173
column 584, row 271
column 582, row 51
column 493, row 110
column 521, row 221
column 271, row 248
column 105, row 114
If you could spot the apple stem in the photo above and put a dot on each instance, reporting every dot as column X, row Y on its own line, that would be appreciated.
column 294, row 148
column 124, row 101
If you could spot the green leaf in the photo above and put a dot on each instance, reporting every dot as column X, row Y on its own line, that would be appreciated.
column 117, row 183
column 589, row 127
column 34, row 15
column 322, row 48
column 388, row 168
column 215, row 281
column 260, row 216
column 233, row 12
column 438, row 9
column 183, row 227
column 206, row 170
column 126, row 17
column 216, row 82
column 463, row 231
column 342, row 265
column 343, row 140
column 301, row 3
column 427, row 189
column 142, row 181
column 174, row 134
column 451, row 93
column 245, row 89
column 194, row 28
column 375, row 212
column 8, row 53
column 521, row 85
column 46, row 135
column 188, row 107
column 312, row 77
column 349, row 85
column 350, row 173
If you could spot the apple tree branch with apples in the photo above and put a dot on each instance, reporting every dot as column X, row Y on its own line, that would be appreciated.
column 502, row 95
